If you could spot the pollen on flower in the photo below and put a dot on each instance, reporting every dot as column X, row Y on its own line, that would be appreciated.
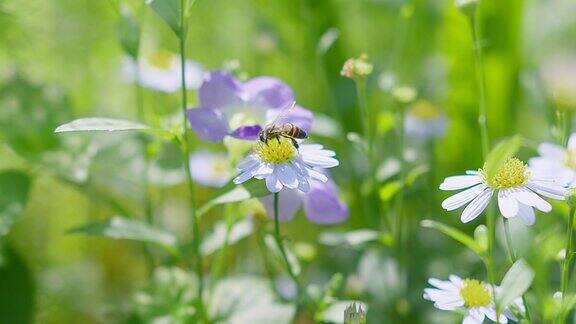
column 511, row 174
column 276, row 150
column 161, row 59
column 424, row 110
column 474, row 293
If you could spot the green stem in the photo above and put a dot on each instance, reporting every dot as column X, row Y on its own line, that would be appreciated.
column 480, row 82
column 220, row 259
column 513, row 258
column 185, row 143
column 565, row 280
column 483, row 125
column 278, row 238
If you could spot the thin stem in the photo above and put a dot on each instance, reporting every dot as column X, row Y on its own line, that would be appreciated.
column 278, row 238
column 480, row 83
column 565, row 280
column 513, row 259
column 483, row 125
column 186, row 157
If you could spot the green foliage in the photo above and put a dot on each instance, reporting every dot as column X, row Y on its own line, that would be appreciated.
column 18, row 293
column 14, row 189
column 99, row 124
column 168, row 296
column 169, row 11
column 455, row 234
column 130, row 229
column 515, row 283
column 214, row 241
column 500, row 154
column 129, row 31
column 232, row 192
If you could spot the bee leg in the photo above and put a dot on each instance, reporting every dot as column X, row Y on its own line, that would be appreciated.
column 295, row 143
column 278, row 139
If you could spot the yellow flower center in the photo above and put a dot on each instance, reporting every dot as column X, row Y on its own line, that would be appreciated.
column 424, row 110
column 161, row 60
column 276, row 150
column 570, row 159
column 474, row 293
column 511, row 174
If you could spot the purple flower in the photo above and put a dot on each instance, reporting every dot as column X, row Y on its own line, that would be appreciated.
column 321, row 203
column 241, row 109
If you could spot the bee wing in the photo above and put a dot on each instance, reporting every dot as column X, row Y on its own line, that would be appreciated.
column 281, row 115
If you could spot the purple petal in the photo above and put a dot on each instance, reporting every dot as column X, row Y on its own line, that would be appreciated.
column 247, row 132
column 289, row 202
column 298, row 116
column 268, row 92
column 322, row 205
column 220, row 90
column 209, row 124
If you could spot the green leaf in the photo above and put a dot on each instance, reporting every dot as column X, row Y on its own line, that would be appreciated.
column 515, row 283
column 502, row 152
column 130, row 229
column 455, row 234
column 232, row 192
column 415, row 173
column 389, row 190
column 129, row 32
column 169, row 11
column 100, row 124
column 215, row 240
column 14, row 189
column 167, row 297
column 292, row 259
column 17, row 295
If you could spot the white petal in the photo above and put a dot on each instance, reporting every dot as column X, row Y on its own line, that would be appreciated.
column 572, row 142
column 317, row 175
column 476, row 206
column 507, row 203
column 529, row 198
column 272, row 183
column 444, row 285
column 460, row 182
column 551, row 150
column 287, row 176
column 320, row 161
column 460, row 199
column 457, row 281
column 549, row 190
column 247, row 162
column 526, row 214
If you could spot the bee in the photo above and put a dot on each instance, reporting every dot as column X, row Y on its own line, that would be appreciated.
column 287, row 130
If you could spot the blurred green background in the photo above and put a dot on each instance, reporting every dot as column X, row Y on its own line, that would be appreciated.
column 60, row 60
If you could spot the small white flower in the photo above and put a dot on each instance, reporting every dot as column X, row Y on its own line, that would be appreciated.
column 425, row 121
column 210, row 168
column 473, row 296
column 161, row 72
column 281, row 164
column 516, row 186
column 557, row 160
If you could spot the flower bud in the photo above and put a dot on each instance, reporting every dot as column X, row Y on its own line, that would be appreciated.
column 468, row 7
column 571, row 197
column 355, row 68
column 353, row 315
column 404, row 94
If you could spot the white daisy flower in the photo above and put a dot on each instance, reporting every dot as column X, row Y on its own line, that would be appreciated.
column 161, row 72
column 516, row 186
column 471, row 295
column 557, row 160
column 210, row 168
column 425, row 121
column 281, row 164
